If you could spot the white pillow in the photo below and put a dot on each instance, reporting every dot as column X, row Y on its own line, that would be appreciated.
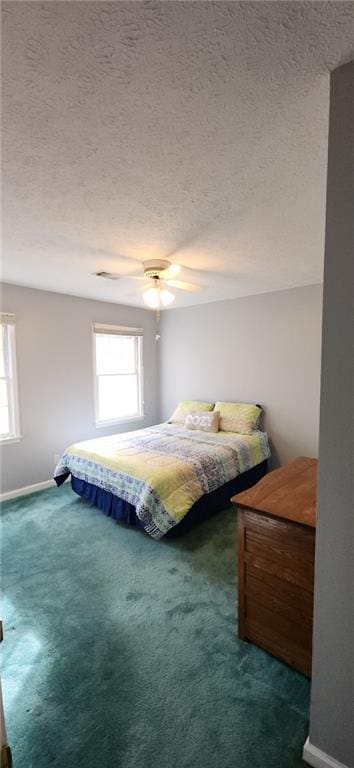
column 205, row 422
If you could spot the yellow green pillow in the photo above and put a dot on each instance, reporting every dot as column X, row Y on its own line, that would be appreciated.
column 238, row 417
column 187, row 406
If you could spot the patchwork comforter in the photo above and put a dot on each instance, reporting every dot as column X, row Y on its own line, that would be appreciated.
column 163, row 470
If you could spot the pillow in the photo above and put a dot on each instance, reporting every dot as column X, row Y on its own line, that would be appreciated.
column 238, row 417
column 206, row 422
column 186, row 406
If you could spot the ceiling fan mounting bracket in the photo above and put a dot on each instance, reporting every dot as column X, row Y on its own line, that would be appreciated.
column 154, row 267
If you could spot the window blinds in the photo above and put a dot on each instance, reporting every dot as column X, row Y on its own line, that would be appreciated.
column 7, row 319
column 117, row 330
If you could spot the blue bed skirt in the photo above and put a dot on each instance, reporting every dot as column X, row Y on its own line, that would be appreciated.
column 208, row 505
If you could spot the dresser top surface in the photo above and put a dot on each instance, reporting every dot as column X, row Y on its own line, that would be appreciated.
column 289, row 492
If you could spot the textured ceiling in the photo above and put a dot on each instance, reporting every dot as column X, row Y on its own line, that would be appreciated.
column 194, row 131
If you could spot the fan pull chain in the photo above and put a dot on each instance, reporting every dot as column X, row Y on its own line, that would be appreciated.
column 158, row 335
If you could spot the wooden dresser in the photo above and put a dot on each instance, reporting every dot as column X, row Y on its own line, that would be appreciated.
column 276, row 528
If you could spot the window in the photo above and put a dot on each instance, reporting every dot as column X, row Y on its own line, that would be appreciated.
column 9, row 418
column 118, row 373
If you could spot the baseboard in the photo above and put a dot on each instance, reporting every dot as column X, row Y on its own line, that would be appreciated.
column 318, row 759
column 26, row 490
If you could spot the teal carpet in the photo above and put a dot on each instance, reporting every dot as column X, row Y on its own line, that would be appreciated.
column 121, row 652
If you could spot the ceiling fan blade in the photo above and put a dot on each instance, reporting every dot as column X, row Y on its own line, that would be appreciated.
column 202, row 273
column 183, row 286
column 171, row 272
column 117, row 276
column 135, row 277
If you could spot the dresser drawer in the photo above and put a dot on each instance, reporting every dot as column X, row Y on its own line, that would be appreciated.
column 278, row 624
column 262, row 629
column 281, row 535
column 280, row 549
column 281, row 597
column 278, row 617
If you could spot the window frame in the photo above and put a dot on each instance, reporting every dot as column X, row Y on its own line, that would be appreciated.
column 119, row 330
column 14, row 435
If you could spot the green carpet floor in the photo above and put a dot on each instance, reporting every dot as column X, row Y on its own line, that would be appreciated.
column 121, row 652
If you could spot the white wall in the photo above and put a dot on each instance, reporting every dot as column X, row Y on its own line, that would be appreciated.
column 263, row 349
column 54, row 355
column 332, row 698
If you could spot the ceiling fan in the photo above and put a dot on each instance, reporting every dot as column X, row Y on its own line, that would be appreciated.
column 158, row 273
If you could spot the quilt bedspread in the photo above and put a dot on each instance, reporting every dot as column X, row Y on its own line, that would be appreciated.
column 162, row 470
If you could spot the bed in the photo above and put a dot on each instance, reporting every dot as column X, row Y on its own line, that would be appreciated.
column 164, row 478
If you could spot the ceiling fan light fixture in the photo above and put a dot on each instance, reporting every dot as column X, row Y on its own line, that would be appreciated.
column 152, row 298
column 166, row 297
column 157, row 297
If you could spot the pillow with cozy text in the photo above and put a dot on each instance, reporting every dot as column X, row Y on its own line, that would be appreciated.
column 206, row 422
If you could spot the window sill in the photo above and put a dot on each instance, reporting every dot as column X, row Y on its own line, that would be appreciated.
column 12, row 439
column 102, row 424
